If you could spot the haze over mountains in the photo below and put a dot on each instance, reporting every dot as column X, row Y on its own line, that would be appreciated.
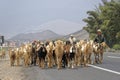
column 53, row 30
column 21, row 16
column 59, row 26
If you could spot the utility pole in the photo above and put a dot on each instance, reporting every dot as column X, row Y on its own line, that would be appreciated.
column 1, row 41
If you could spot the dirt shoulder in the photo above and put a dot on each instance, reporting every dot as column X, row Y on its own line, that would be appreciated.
column 10, row 73
column 19, row 72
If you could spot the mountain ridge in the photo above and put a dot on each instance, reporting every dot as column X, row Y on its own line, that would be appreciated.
column 50, row 35
column 47, row 34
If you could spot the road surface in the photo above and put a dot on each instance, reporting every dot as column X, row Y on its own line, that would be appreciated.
column 109, row 70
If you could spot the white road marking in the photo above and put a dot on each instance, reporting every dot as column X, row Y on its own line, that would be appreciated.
column 108, row 70
column 113, row 57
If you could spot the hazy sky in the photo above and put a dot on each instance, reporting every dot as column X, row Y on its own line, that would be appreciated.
column 18, row 16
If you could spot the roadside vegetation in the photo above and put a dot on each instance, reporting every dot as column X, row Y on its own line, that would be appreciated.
column 107, row 18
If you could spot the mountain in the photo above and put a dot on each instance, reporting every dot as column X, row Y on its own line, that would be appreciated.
column 50, row 35
column 51, row 31
column 81, row 34
column 44, row 35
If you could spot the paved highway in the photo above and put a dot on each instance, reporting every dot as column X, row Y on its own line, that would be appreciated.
column 109, row 70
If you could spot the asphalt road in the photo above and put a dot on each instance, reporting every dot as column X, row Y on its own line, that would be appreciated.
column 109, row 70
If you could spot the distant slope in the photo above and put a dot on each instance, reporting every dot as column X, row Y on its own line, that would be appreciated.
column 81, row 34
column 44, row 35
column 50, row 35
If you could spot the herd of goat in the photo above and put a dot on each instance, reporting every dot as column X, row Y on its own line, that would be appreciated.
column 57, row 53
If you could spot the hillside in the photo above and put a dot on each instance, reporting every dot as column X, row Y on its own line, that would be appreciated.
column 50, row 35
column 81, row 34
column 44, row 35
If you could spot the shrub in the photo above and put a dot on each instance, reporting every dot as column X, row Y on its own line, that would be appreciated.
column 116, row 47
